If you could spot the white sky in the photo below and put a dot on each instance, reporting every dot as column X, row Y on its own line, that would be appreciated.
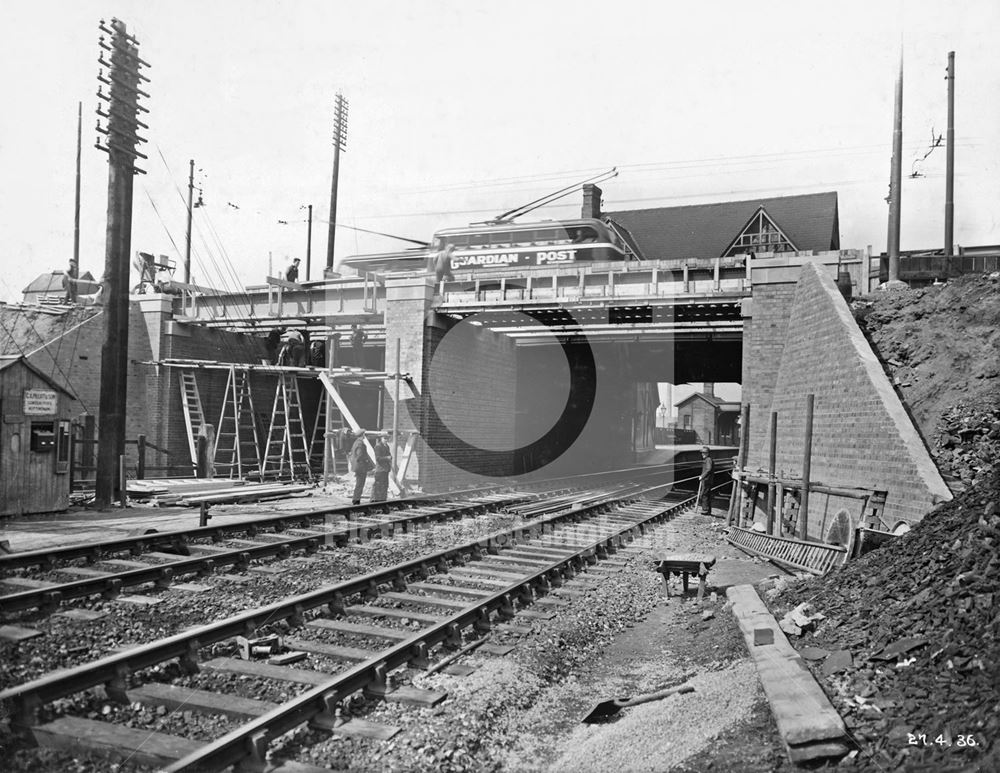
column 462, row 110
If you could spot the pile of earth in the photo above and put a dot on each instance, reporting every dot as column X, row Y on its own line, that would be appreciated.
column 941, row 347
column 909, row 649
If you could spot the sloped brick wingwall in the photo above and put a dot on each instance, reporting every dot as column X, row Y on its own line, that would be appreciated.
column 862, row 434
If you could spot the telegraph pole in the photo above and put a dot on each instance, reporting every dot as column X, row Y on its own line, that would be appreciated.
column 896, row 179
column 309, row 241
column 949, row 184
column 121, row 137
column 75, row 273
column 187, row 248
column 339, row 143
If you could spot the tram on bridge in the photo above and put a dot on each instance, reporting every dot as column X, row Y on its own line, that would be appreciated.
column 506, row 245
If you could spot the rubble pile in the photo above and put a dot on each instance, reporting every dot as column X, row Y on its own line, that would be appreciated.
column 908, row 642
column 967, row 444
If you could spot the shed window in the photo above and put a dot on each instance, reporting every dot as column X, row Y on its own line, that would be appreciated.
column 43, row 436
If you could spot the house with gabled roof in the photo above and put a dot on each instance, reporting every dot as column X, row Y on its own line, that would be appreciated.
column 804, row 223
column 711, row 418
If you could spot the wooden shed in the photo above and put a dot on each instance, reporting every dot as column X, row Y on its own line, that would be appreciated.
column 34, row 440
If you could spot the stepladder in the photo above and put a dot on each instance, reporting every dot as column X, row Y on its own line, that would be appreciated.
column 286, row 454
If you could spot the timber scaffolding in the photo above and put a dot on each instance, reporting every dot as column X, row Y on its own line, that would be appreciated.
column 783, row 538
column 286, row 448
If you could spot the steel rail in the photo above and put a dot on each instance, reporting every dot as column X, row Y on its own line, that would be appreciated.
column 113, row 670
column 251, row 740
column 178, row 539
column 111, row 584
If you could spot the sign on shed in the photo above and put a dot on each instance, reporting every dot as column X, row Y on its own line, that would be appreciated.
column 40, row 402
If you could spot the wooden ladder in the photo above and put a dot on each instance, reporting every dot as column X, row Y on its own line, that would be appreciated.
column 813, row 557
column 237, row 442
column 327, row 428
column 286, row 438
column 194, row 417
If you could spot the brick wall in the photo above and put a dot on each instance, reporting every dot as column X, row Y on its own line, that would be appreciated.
column 862, row 435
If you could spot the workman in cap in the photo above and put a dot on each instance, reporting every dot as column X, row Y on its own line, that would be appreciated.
column 383, row 466
column 360, row 463
column 705, row 482
column 292, row 274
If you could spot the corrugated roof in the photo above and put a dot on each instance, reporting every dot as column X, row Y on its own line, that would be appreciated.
column 810, row 220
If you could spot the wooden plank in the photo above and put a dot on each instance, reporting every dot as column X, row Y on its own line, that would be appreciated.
column 457, row 590
column 71, row 734
column 188, row 699
column 331, row 650
column 81, row 615
column 479, row 570
column 370, row 631
column 26, row 583
column 535, row 614
column 190, row 587
column 255, row 668
column 358, row 728
column 431, row 601
column 124, row 564
column 497, row 649
column 414, row 696
column 139, row 600
column 457, row 669
column 16, row 633
column 365, row 610
column 801, row 709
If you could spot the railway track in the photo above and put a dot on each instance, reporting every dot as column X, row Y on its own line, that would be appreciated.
column 166, row 558
column 359, row 635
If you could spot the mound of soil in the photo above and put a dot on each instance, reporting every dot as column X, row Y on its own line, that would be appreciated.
column 941, row 347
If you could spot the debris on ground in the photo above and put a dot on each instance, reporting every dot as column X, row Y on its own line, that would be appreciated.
column 913, row 636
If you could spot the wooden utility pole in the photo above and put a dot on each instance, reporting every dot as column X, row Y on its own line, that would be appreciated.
column 309, row 241
column 896, row 179
column 339, row 143
column 121, row 137
column 75, row 273
column 187, row 248
column 949, row 175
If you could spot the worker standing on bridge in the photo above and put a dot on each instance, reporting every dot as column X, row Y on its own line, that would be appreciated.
column 705, row 482
column 442, row 264
column 361, row 463
column 358, row 338
column 292, row 274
